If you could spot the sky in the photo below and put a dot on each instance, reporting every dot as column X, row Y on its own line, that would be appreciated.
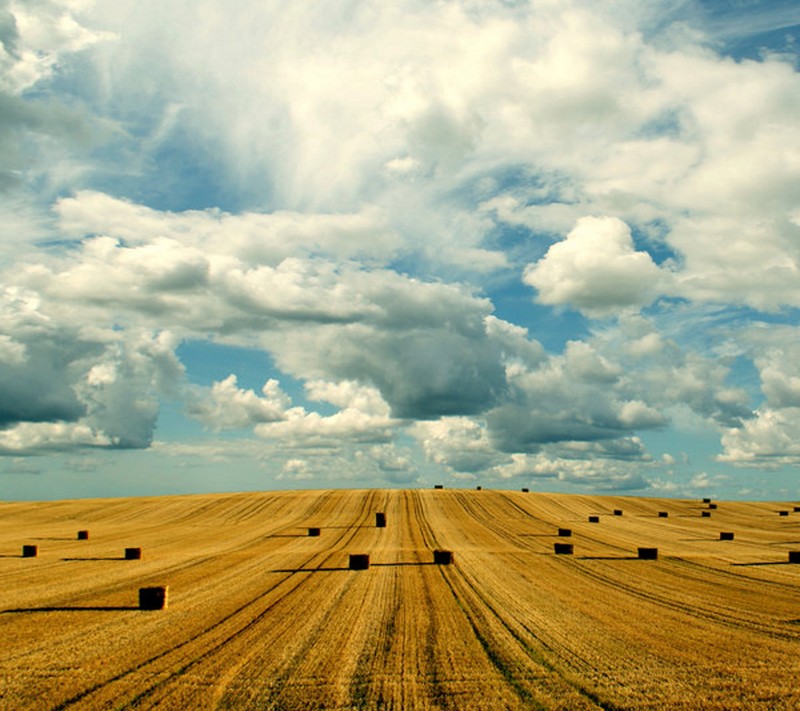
column 259, row 245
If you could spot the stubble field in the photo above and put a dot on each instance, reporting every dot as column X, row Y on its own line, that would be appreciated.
column 263, row 616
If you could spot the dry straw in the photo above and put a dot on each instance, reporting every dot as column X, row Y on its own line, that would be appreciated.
column 154, row 598
column 359, row 561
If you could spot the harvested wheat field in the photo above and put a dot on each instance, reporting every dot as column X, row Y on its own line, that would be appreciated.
column 262, row 615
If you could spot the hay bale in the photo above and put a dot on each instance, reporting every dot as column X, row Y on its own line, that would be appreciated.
column 442, row 557
column 594, row 519
column 83, row 535
column 133, row 554
column 562, row 548
column 794, row 556
column 618, row 512
column 706, row 501
column 663, row 514
column 705, row 514
column 648, row 553
column 565, row 532
column 797, row 508
column 438, row 486
column 783, row 513
column 154, row 598
column 313, row 531
column 726, row 535
column 525, row 490
column 359, row 561
column 478, row 488
column 712, row 506
column 380, row 520
column 30, row 551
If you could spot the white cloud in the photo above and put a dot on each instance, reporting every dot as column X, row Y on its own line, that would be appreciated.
column 228, row 407
column 596, row 270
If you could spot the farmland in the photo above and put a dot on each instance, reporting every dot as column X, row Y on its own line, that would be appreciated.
column 263, row 615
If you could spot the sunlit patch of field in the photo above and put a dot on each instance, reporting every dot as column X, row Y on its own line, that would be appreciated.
column 263, row 616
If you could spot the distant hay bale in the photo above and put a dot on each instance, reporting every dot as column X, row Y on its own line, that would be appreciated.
column 478, row 488
column 797, row 508
column 705, row 514
column 562, row 548
column 618, row 512
column 663, row 514
column 594, row 519
column 726, row 535
column 783, row 513
column 359, row 561
column 712, row 506
column 30, row 551
column 794, row 556
column 313, row 531
column 648, row 553
column 706, row 501
column 442, row 557
column 133, row 554
column 525, row 490
column 380, row 520
column 564, row 532
column 438, row 486
column 83, row 535
column 155, row 598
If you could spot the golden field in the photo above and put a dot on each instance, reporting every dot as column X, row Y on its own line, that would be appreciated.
column 263, row 616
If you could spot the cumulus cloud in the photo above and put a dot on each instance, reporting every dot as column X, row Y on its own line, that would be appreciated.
column 596, row 270
column 228, row 407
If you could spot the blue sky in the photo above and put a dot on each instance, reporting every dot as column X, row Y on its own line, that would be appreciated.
column 257, row 245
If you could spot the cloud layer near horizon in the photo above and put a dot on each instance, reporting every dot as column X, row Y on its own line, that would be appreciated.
column 357, row 192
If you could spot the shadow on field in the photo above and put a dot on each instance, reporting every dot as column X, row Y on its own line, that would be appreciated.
column 607, row 557
column 333, row 569
column 95, row 608
column 98, row 558
column 55, row 538
column 288, row 535
column 767, row 562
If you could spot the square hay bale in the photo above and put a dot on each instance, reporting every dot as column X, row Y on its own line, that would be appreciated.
column 30, row 551
column 83, row 535
column 562, row 548
column 438, row 486
column 594, row 519
column 525, row 490
column 441, row 557
column 359, row 561
column 796, row 509
column 794, row 556
column 564, row 532
column 705, row 514
column 706, row 501
column 712, row 506
column 154, row 598
column 313, row 531
column 618, row 512
column 726, row 535
column 133, row 554
column 478, row 488
column 648, row 553
column 783, row 513
column 380, row 520
column 663, row 514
